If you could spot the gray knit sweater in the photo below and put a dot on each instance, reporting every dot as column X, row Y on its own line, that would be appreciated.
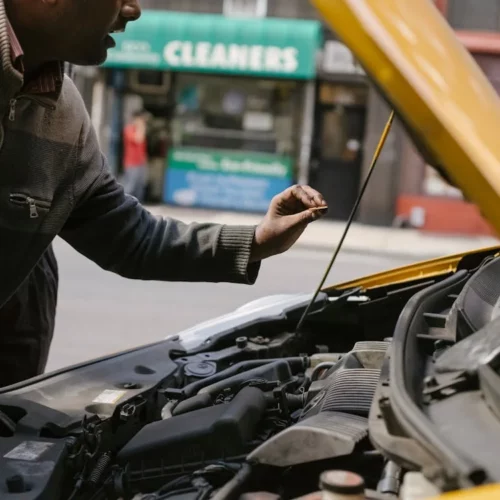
column 54, row 180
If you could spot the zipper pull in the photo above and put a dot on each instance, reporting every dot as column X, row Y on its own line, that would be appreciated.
column 33, row 210
column 12, row 112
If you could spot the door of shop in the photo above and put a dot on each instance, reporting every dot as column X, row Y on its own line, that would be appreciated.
column 337, row 153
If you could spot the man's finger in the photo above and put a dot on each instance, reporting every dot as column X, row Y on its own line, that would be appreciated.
column 303, row 218
column 314, row 195
column 300, row 193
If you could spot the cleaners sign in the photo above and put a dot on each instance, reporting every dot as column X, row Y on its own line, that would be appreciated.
column 220, row 179
column 244, row 58
column 283, row 48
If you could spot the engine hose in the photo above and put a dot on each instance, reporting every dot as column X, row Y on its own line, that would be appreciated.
column 232, row 489
column 322, row 366
column 295, row 401
column 296, row 366
column 195, row 403
column 167, row 410
column 279, row 367
column 390, row 481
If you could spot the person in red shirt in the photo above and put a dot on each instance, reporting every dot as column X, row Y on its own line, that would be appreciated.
column 135, row 156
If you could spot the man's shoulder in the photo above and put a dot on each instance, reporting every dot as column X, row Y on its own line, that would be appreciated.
column 63, row 124
column 70, row 98
column 71, row 115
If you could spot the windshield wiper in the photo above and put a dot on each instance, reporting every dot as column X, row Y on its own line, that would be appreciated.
column 376, row 156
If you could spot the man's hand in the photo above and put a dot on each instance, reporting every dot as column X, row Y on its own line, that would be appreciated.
column 288, row 216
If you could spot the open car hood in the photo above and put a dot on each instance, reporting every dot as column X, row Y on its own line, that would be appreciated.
column 438, row 91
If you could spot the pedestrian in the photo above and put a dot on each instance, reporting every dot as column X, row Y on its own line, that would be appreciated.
column 135, row 156
column 54, row 180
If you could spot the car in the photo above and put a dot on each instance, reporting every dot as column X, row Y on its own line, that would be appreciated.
column 390, row 389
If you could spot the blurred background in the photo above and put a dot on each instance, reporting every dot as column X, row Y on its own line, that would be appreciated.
column 242, row 99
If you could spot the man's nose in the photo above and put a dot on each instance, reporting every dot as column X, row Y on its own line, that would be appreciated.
column 131, row 10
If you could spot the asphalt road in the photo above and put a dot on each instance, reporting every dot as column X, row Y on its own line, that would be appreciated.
column 101, row 313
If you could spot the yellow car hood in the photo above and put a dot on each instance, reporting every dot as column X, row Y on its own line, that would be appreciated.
column 445, row 101
column 434, row 85
column 489, row 492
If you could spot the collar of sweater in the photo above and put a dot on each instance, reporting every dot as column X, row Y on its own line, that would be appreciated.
column 11, row 80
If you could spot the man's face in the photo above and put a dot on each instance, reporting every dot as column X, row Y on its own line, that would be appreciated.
column 84, row 27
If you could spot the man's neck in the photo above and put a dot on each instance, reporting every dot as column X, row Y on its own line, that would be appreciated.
column 32, row 59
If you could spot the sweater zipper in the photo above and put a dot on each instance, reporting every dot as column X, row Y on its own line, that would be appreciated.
column 23, row 199
column 13, row 102
column 12, row 110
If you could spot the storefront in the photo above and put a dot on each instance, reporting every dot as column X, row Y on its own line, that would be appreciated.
column 236, row 99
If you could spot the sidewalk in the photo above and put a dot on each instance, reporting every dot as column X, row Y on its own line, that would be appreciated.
column 325, row 235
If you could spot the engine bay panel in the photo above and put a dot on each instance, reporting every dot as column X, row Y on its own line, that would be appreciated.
column 362, row 389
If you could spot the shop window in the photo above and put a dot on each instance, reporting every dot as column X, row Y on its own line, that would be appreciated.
column 149, row 82
column 242, row 114
column 245, row 8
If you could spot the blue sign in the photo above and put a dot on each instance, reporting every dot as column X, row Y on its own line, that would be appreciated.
column 192, row 188
column 233, row 180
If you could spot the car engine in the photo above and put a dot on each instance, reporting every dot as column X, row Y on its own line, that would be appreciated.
column 364, row 398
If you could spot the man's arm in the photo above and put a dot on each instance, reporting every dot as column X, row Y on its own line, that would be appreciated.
column 115, row 231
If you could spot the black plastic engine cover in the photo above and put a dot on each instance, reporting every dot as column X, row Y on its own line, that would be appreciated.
column 211, row 433
column 99, row 387
column 31, row 468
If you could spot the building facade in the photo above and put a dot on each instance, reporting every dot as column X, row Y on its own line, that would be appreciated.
column 232, row 101
column 242, row 112
column 246, row 98
column 422, row 198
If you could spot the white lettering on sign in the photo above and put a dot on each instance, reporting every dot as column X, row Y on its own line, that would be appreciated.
column 135, row 46
column 237, row 57
column 273, row 58
column 171, row 53
column 255, row 58
column 202, row 54
column 219, row 56
column 256, row 53
column 291, row 59
column 187, row 54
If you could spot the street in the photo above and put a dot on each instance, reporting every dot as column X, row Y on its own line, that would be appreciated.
column 101, row 313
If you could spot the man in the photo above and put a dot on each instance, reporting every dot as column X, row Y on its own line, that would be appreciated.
column 55, row 181
column 135, row 156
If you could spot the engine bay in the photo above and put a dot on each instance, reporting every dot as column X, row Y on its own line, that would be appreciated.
column 396, row 385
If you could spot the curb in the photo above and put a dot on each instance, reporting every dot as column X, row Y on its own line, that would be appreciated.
column 378, row 252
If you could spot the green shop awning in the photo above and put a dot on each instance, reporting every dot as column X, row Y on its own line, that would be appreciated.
column 179, row 41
